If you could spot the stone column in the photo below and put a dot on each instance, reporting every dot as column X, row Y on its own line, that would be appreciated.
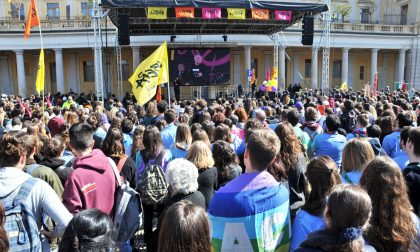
column 20, row 65
column 296, row 68
column 5, row 85
column 73, row 76
column 373, row 64
column 237, row 76
column 59, row 70
column 247, row 64
column 282, row 68
column 136, row 56
column 345, row 66
column 401, row 65
column 314, row 68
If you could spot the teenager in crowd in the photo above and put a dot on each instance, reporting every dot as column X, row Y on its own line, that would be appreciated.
column 402, row 158
column 226, row 162
column 362, row 122
column 393, row 225
column 201, row 156
column 39, row 198
column 183, row 141
column 168, row 133
column 293, row 158
column 311, row 125
column 412, row 171
column 293, row 117
column 137, row 140
column 113, row 147
column 185, row 227
column 323, row 175
column 391, row 142
column 356, row 155
column 346, row 215
column 250, row 200
column 89, row 231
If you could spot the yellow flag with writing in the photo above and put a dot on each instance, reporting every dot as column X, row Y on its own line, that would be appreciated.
column 152, row 72
column 344, row 87
column 157, row 12
column 236, row 13
column 40, row 76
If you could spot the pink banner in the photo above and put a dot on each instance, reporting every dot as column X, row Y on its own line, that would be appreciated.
column 211, row 13
column 283, row 15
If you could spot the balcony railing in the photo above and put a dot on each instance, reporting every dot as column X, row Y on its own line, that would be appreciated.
column 84, row 23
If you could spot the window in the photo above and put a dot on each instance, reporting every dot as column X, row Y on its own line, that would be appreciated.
column 337, row 69
column 362, row 73
column 68, row 12
column 86, row 8
column 17, row 11
column 88, row 71
column 53, row 74
column 365, row 15
column 308, row 65
column 404, row 11
column 53, row 11
column 125, row 70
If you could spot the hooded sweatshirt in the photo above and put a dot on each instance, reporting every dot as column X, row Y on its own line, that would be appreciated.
column 41, row 200
column 91, row 185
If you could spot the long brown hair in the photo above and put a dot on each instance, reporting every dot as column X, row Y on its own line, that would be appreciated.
column 323, row 175
column 4, row 240
column 392, row 225
column 290, row 145
column 138, row 140
column 152, row 141
column 112, row 146
column 185, row 227
column 357, row 154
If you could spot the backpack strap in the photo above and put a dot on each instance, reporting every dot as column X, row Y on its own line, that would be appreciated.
column 121, row 163
column 24, row 191
column 160, row 156
column 115, row 170
column 347, row 178
column 31, row 168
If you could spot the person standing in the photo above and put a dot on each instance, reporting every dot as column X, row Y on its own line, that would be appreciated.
column 177, row 87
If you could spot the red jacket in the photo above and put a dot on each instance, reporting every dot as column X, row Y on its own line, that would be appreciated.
column 91, row 185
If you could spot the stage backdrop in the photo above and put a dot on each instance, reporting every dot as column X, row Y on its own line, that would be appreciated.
column 200, row 67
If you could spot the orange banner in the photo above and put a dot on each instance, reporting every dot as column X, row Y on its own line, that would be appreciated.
column 33, row 19
column 260, row 14
column 184, row 12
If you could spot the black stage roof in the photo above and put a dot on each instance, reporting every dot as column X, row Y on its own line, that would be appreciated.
column 140, row 25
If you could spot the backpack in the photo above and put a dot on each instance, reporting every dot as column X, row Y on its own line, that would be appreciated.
column 127, row 208
column 31, row 168
column 20, row 225
column 152, row 186
column 348, row 120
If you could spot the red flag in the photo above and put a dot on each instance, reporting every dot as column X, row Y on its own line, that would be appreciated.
column 159, row 93
column 268, row 75
column 375, row 84
column 33, row 19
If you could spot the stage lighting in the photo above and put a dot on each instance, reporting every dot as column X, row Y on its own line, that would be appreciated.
column 173, row 37
column 224, row 38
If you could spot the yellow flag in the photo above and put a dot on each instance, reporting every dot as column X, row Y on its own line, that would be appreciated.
column 152, row 72
column 344, row 87
column 236, row 13
column 40, row 76
column 157, row 12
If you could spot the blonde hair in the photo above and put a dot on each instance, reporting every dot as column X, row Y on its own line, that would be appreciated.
column 200, row 154
column 357, row 154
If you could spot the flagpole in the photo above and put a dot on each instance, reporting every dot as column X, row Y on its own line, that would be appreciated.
column 42, row 48
column 169, row 95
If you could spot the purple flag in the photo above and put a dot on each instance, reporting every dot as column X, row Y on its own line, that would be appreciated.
column 283, row 15
column 211, row 13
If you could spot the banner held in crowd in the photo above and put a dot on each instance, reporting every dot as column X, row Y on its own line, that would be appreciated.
column 344, row 87
column 157, row 13
column 40, row 76
column 375, row 84
column 184, row 12
column 260, row 14
column 211, row 13
column 283, row 15
column 152, row 72
column 236, row 13
column 33, row 19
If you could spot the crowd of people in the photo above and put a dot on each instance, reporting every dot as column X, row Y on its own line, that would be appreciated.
column 305, row 171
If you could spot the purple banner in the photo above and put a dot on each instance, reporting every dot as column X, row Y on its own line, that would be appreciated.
column 211, row 13
column 283, row 15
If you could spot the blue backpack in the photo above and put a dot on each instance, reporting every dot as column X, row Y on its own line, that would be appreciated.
column 20, row 225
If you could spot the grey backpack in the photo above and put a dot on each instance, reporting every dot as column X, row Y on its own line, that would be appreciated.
column 152, row 186
column 127, row 209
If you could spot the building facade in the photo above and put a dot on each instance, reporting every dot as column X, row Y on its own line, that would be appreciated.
column 367, row 36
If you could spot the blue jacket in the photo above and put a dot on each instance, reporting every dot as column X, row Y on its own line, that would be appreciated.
column 402, row 159
column 352, row 177
column 391, row 144
column 168, row 135
column 331, row 145
column 178, row 152
column 128, row 144
column 304, row 224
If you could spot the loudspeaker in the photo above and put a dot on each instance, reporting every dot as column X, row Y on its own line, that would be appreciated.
column 123, row 29
column 308, row 30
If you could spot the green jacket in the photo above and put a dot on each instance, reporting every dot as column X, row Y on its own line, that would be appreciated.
column 46, row 174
